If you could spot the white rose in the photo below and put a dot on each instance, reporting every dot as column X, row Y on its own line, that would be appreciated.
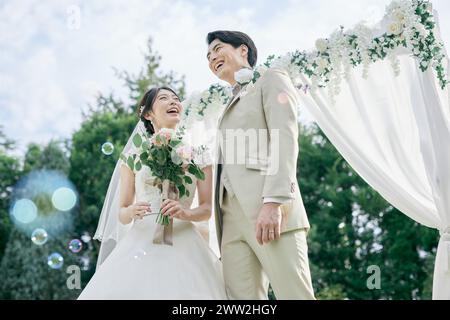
column 321, row 64
column 421, row 29
column 395, row 28
column 399, row 16
column 243, row 76
column 321, row 45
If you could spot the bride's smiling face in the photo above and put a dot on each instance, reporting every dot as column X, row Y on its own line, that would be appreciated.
column 166, row 110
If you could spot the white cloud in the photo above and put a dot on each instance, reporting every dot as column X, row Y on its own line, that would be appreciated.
column 49, row 71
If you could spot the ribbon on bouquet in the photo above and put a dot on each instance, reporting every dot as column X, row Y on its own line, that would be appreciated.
column 164, row 232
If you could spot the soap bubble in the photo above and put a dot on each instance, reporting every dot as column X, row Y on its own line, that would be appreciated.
column 24, row 211
column 75, row 245
column 55, row 260
column 139, row 254
column 64, row 199
column 108, row 148
column 39, row 236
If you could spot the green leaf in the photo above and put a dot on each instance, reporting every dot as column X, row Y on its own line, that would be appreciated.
column 188, row 179
column 144, row 155
column 137, row 140
column 138, row 166
column 174, row 143
column 202, row 175
column 145, row 145
column 157, row 171
column 154, row 153
column 123, row 158
column 130, row 162
column 192, row 169
column 177, row 180
column 160, row 157
column 182, row 190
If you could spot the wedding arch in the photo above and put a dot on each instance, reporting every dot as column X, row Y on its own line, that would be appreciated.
column 381, row 96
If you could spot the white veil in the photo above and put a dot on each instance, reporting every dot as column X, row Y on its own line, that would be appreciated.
column 110, row 230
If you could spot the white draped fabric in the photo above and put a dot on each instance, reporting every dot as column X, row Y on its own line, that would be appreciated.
column 395, row 132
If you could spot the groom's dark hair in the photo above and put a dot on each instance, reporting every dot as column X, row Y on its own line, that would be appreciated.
column 236, row 39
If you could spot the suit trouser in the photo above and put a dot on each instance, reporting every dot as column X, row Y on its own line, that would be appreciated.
column 248, row 266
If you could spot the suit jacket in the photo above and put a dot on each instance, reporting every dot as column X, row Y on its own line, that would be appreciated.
column 266, row 110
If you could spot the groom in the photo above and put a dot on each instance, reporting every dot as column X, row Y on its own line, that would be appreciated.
column 260, row 217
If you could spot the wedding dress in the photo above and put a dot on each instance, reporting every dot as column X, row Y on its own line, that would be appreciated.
column 139, row 269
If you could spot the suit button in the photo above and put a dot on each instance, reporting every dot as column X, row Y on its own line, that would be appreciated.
column 292, row 187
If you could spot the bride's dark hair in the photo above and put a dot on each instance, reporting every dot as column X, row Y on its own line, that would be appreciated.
column 146, row 105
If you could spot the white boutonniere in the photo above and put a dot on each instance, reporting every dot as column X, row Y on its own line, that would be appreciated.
column 243, row 76
column 247, row 78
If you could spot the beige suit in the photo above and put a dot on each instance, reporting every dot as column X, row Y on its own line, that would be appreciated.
column 269, row 108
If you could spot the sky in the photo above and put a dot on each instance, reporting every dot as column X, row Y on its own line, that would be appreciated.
column 56, row 55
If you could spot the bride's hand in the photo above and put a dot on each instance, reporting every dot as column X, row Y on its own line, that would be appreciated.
column 174, row 209
column 138, row 210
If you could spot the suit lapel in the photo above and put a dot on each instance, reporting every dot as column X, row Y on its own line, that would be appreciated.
column 229, row 105
column 233, row 101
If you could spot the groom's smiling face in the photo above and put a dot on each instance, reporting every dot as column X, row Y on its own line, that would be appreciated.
column 224, row 60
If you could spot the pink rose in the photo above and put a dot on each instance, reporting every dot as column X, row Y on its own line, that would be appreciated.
column 185, row 153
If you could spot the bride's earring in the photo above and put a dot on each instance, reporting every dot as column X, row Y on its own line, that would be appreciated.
column 153, row 124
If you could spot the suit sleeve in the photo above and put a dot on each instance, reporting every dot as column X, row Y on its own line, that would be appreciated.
column 280, row 102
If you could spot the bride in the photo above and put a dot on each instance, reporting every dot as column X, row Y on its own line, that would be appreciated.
column 136, row 268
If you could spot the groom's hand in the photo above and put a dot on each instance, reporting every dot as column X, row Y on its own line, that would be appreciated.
column 268, row 224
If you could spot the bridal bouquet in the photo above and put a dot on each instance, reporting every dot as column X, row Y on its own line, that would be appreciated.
column 169, row 159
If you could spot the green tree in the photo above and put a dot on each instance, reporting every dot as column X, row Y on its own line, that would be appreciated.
column 9, row 174
column 5, row 142
column 51, row 156
column 150, row 76
column 26, row 274
column 32, row 157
